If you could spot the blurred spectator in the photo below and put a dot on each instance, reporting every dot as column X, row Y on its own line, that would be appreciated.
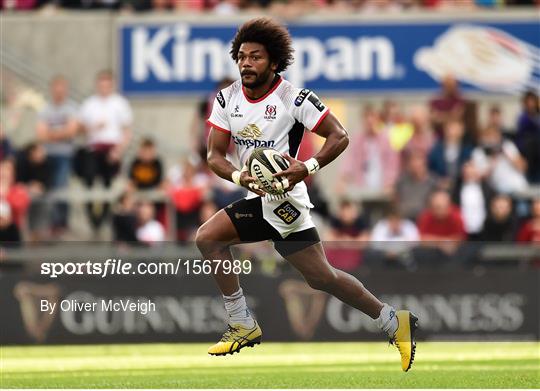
column 528, row 135
column 530, row 231
column 422, row 138
column 15, row 194
column 9, row 232
column 19, row 4
column 448, row 106
column 472, row 195
column 33, row 169
column 56, row 128
column 200, row 130
column 149, row 230
column 394, row 236
column 414, row 187
column 348, row 225
column 146, row 171
column 91, row 4
column 370, row 161
column 441, row 225
column 495, row 119
column 106, row 118
column 500, row 162
column 448, row 155
column 395, row 125
column 501, row 224
column 227, row 7
column 124, row 219
column 6, row 150
column 188, row 187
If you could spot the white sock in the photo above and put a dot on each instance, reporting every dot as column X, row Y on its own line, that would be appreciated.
column 387, row 320
column 237, row 309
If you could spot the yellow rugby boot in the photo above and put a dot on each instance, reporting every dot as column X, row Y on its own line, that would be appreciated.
column 404, row 337
column 235, row 338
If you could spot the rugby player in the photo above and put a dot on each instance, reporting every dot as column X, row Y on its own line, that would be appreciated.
column 264, row 110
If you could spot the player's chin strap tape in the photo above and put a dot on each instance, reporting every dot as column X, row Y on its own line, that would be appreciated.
column 312, row 165
column 237, row 174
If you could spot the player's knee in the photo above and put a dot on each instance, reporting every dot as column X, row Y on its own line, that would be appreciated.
column 322, row 281
column 204, row 238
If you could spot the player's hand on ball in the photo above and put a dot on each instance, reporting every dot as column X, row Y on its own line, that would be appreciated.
column 250, row 183
column 288, row 178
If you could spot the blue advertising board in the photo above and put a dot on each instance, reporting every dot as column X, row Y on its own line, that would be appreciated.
column 186, row 58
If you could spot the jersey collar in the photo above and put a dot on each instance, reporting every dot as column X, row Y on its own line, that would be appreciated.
column 276, row 84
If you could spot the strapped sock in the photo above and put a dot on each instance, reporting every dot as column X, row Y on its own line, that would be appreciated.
column 237, row 309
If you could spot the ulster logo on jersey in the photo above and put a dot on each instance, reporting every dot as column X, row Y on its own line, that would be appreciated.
column 270, row 112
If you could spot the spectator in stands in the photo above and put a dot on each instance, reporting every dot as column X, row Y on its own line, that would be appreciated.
column 500, row 162
column 15, row 194
column 422, row 138
column 396, row 126
column 57, row 127
column 414, row 187
column 394, row 236
column 146, row 171
column 200, row 130
column 124, row 219
column 188, row 191
column 530, row 231
column 348, row 225
column 449, row 105
column 528, row 135
column 106, row 118
column 33, row 169
column 370, row 161
column 441, row 225
column 449, row 154
column 9, row 232
column 473, row 195
column 149, row 230
column 6, row 150
column 227, row 7
column 495, row 119
column 501, row 223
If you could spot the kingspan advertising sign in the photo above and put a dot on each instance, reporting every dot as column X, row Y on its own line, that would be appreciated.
column 188, row 58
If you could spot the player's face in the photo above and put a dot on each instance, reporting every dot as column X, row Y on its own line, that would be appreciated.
column 254, row 64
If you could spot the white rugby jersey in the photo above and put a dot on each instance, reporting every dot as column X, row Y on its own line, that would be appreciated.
column 276, row 120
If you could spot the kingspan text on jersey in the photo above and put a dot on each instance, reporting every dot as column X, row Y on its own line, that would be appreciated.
column 253, row 143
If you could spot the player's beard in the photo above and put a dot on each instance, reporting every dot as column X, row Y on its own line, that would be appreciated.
column 259, row 80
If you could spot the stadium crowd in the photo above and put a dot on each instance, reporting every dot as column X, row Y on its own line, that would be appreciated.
column 290, row 8
column 442, row 178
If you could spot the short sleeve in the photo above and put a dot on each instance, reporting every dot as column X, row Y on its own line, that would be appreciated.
column 308, row 109
column 218, row 118
column 84, row 113
column 126, row 114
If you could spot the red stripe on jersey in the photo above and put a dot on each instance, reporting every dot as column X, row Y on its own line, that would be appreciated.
column 265, row 95
column 218, row 127
column 320, row 120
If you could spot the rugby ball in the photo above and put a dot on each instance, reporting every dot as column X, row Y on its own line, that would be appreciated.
column 262, row 164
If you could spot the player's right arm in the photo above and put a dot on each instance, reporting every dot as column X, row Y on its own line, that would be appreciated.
column 218, row 143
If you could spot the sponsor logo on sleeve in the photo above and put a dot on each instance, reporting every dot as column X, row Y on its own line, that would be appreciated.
column 220, row 99
column 287, row 212
column 301, row 96
column 316, row 102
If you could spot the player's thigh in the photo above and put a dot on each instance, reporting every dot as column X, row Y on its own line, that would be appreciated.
column 310, row 261
column 217, row 231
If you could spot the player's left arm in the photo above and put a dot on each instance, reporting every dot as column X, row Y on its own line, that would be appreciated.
column 336, row 140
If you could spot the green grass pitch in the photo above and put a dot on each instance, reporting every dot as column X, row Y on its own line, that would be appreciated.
column 272, row 365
